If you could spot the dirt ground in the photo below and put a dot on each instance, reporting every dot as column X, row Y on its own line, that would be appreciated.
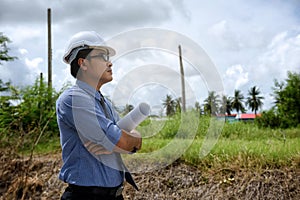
column 36, row 178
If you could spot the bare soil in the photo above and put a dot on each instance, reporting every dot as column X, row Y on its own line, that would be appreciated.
column 36, row 178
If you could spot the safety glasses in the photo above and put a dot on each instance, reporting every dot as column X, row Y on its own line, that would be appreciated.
column 102, row 56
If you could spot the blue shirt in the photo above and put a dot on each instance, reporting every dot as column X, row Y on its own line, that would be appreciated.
column 81, row 119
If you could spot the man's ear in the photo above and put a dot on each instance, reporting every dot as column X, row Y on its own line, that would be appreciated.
column 81, row 63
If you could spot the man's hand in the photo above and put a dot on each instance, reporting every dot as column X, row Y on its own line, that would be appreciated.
column 136, row 134
column 130, row 142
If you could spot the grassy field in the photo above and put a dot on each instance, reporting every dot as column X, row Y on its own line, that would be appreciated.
column 241, row 144
column 265, row 153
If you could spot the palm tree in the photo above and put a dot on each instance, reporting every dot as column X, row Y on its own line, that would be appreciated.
column 237, row 102
column 178, row 103
column 169, row 104
column 226, row 105
column 198, row 107
column 128, row 108
column 253, row 100
column 211, row 103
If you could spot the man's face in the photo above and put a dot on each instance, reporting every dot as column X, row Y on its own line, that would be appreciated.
column 99, row 66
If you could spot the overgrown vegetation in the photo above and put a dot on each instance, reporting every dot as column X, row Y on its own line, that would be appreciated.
column 286, row 112
column 27, row 116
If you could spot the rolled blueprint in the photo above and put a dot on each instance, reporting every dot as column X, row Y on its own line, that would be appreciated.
column 134, row 117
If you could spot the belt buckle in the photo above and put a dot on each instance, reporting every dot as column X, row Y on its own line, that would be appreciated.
column 119, row 191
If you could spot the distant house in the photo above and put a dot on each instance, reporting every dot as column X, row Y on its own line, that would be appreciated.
column 228, row 118
column 247, row 116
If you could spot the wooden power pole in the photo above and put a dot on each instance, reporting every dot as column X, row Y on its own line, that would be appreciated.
column 182, row 80
column 49, row 49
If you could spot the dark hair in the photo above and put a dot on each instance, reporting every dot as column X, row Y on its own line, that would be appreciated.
column 74, row 64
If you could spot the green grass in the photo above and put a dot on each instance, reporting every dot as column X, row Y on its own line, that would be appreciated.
column 244, row 153
column 240, row 144
column 185, row 137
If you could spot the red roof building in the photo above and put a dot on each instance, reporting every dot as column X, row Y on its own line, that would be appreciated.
column 247, row 116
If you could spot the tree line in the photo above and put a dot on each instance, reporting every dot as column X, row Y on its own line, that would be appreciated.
column 284, row 113
column 215, row 105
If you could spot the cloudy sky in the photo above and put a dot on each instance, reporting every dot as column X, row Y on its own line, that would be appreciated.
column 250, row 43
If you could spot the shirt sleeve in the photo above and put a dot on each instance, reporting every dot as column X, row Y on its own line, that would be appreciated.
column 91, row 123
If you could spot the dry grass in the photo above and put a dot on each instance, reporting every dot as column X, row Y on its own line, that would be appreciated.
column 37, row 179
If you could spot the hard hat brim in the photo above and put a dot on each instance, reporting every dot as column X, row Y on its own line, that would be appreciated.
column 111, row 52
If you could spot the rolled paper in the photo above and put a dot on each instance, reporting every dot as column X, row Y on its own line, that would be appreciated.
column 134, row 117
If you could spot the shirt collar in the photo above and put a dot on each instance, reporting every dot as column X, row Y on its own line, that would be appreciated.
column 89, row 89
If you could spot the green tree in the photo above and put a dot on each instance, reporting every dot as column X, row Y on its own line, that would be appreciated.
column 36, row 109
column 8, row 92
column 4, row 87
column 285, row 113
column 269, row 119
column 226, row 105
column 254, row 101
column 128, row 108
column 32, row 116
column 287, row 102
column 211, row 103
column 237, row 102
column 178, row 102
column 198, row 107
column 169, row 105
column 4, row 49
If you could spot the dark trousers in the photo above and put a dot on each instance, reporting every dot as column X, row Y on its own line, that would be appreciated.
column 84, row 193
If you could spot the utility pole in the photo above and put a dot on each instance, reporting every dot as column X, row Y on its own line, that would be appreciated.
column 182, row 80
column 49, row 49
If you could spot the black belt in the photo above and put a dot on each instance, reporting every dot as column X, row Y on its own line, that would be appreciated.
column 102, row 191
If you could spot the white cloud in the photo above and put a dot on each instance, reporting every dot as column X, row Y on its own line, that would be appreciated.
column 235, row 77
column 280, row 56
column 23, row 51
column 21, row 35
column 34, row 63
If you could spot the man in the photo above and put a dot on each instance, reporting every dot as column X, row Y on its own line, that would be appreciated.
column 90, row 138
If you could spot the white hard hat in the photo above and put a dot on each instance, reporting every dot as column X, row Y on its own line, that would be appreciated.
column 85, row 40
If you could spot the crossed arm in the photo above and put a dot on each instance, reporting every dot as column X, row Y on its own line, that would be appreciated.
column 129, row 142
column 91, row 124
